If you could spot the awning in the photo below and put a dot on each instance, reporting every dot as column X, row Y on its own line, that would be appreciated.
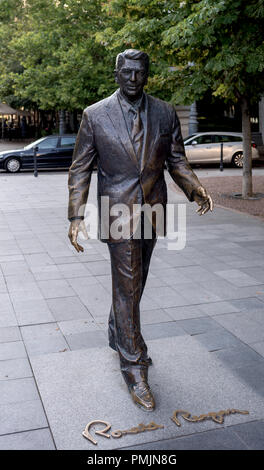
column 5, row 109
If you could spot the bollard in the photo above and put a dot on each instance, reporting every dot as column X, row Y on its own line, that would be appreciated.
column 35, row 162
column 221, row 157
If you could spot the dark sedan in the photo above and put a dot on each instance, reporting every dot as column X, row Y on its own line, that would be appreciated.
column 53, row 151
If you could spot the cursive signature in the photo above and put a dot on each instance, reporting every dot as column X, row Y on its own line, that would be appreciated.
column 140, row 428
column 217, row 417
column 116, row 434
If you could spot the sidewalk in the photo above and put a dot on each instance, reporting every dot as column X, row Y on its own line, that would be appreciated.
column 202, row 318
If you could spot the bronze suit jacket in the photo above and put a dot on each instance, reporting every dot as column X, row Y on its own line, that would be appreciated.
column 103, row 138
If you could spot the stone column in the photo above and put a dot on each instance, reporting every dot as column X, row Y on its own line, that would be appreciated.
column 62, row 122
column 193, row 123
column 261, row 118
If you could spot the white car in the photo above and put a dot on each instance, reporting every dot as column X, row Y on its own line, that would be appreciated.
column 204, row 147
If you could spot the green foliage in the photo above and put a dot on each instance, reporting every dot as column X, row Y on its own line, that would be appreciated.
column 60, row 54
column 60, row 64
column 194, row 45
column 220, row 43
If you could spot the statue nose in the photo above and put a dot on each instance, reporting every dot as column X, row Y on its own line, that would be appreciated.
column 133, row 76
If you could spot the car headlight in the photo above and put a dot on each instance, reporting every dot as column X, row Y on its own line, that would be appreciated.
column 1, row 157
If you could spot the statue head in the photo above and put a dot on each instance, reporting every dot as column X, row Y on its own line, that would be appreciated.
column 131, row 72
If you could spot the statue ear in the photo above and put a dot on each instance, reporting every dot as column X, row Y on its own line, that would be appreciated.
column 116, row 76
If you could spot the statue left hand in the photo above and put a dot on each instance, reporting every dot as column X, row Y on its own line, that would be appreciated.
column 203, row 199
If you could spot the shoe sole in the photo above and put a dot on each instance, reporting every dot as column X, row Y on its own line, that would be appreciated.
column 142, row 407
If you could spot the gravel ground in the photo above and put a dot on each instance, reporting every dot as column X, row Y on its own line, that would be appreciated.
column 222, row 189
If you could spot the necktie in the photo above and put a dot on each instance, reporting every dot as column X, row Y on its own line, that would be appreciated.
column 137, row 131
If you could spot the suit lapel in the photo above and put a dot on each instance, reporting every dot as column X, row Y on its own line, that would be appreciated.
column 115, row 115
column 152, row 130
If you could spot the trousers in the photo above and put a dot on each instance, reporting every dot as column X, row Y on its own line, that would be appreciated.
column 130, row 262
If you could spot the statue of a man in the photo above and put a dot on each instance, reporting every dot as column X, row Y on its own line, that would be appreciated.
column 130, row 136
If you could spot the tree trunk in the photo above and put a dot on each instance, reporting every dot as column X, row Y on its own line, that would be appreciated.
column 61, row 122
column 247, row 190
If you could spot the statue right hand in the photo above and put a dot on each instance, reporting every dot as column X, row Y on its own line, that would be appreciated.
column 76, row 226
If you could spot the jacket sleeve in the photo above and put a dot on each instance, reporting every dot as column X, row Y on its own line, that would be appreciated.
column 178, row 165
column 80, row 172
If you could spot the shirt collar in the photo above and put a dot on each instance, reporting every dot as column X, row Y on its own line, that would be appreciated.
column 139, row 104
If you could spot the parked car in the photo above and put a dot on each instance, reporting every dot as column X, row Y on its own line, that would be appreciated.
column 204, row 147
column 54, row 151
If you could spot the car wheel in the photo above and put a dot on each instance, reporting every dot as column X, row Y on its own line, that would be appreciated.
column 237, row 160
column 13, row 165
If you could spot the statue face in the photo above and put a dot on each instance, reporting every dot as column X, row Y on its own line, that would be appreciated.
column 132, row 77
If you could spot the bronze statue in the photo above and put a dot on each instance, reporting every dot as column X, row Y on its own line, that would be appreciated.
column 130, row 136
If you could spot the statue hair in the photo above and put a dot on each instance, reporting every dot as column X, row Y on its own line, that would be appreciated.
column 132, row 54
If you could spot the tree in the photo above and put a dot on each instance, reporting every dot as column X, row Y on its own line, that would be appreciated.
column 8, row 63
column 61, row 65
column 135, row 24
column 220, row 44
column 201, row 45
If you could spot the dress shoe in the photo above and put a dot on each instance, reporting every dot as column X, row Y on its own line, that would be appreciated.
column 142, row 396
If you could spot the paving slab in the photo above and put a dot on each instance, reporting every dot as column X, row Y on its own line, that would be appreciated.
column 87, row 339
column 7, row 315
column 251, row 433
column 46, row 344
column 251, row 304
column 226, row 291
column 99, row 267
column 39, row 331
column 259, row 347
column 15, row 369
column 12, row 350
column 196, row 294
column 238, row 278
column 218, row 308
column 239, row 324
column 32, row 311
column 220, row 439
column 165, row 297
column 76, row 391
column 22, row 416
column 55, row 288
column 185, row 312
column 70, row 271
column 15, row 267
column 162, row 330
column 154, row 316
column 43, row 273
column 196, row 326
column 212, row 290
column 40, row 439
column 147, row 303
column 216, row 340
column 253, row 375
column 71, row 327
column 10, row 333
column 239, row 356
column 68, row 308
column 18, row 390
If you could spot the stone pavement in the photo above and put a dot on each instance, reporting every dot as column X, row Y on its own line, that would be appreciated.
column 202, row 317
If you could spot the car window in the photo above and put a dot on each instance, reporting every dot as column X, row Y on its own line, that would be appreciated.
column 203, row 139
column 48, row 143
column 227, row 138
column 68, row 141
column 187, row 138
column 34, row 144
